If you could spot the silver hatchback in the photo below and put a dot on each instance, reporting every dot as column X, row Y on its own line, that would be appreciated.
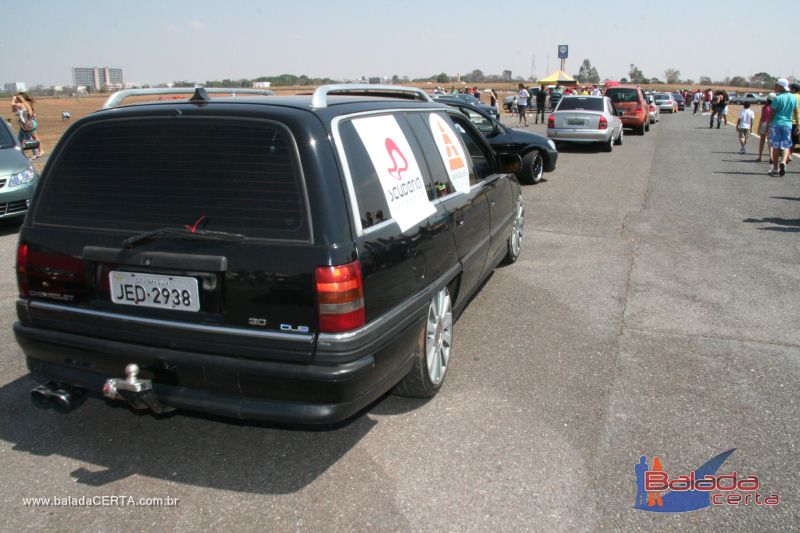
column 17, row 176
column 585, row 119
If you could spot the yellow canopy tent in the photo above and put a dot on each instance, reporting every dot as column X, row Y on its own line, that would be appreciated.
column 558, row 77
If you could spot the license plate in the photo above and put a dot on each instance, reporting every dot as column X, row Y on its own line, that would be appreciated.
column 152, row 290
column 575, row 122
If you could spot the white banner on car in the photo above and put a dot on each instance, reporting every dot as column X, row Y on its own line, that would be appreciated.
column 453, row 156
column 397, row 169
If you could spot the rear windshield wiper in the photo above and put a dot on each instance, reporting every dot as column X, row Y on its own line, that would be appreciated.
column 180, row 233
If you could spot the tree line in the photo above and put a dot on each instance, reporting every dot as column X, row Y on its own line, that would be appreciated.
column 586, row 74
column 761, row 80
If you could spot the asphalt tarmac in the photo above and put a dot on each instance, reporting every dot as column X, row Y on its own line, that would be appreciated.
column 655, row 311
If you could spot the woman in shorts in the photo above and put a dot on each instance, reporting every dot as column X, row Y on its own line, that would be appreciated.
column 763, row 126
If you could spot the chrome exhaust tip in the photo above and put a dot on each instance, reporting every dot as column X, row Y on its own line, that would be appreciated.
column 41, row 396
column 64, row 398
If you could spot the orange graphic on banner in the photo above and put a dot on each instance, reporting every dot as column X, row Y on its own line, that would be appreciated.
column 654, row 498
column 454, row 159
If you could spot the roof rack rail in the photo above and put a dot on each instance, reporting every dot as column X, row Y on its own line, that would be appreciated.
column 320, row 97
column 116, row 99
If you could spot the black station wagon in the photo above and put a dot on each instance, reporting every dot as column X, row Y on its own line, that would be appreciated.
column 282, row 258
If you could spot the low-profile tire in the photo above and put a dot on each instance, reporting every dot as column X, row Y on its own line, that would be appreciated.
column 640, row 130
column 608, row 146
column 647, row 126
column 514, row 241
column 433, row 350
column 618, row 142
column 532, row 168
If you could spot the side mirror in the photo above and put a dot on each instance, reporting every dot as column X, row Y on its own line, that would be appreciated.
column 510, row 163
column 30, row 145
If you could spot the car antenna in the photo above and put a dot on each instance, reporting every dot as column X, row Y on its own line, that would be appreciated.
column 200, row 96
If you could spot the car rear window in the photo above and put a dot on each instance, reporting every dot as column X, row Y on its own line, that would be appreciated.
column 139, row 175
column 623, row 95
column 581, row 104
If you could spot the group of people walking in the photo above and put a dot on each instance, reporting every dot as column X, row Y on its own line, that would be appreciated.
column 777, row 126
column 779, row 120
column 709, row 102
column 525, row 98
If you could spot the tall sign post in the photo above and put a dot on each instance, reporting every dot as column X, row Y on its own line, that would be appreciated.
column 563, row 53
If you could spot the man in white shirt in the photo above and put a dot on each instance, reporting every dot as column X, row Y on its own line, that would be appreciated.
column 596, row 90
column 696, row 101
column 745, row 124
column 522, row 104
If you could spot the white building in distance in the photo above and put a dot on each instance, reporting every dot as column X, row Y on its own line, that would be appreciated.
column 14, row 87
column 97, row 77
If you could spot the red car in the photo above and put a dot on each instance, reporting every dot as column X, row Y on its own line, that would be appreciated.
column 632, row 107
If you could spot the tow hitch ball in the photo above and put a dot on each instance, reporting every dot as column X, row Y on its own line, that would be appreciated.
column 137, row 392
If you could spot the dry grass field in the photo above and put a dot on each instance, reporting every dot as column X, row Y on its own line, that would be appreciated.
column 51, row 127
column 49, row 110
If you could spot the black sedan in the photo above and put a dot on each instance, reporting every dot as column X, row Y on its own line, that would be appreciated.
column 681, row 101
column 468, row 99
column 538, row 153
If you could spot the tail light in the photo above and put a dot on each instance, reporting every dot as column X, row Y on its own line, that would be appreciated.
column 551, row 121
column 22, row 269
column 48, row 275
column 603, row 123
column 652, row 108
column 340, row 296
column 638, row 108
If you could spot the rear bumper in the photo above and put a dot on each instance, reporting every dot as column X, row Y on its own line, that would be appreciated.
column 223, row 385
column 633, row 121
column 584, row 136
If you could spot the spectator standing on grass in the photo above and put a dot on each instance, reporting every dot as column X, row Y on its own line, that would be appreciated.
column 541, row 103
column 744, row 125
column 27, row 124
column 29, row 101
column 784, row 112
column 522, row 104
column 763, row 126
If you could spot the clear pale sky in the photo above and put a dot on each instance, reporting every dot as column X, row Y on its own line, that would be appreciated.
column 167, row 40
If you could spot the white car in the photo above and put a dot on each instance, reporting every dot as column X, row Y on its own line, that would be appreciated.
column 665, row 102
column 653, row 110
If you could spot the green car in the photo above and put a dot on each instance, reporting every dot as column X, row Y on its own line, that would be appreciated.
column 17, row 176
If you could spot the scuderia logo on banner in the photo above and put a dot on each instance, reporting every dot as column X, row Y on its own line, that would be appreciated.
column 397, row 169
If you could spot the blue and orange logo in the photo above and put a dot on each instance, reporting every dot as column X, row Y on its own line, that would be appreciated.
column 657, row 492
